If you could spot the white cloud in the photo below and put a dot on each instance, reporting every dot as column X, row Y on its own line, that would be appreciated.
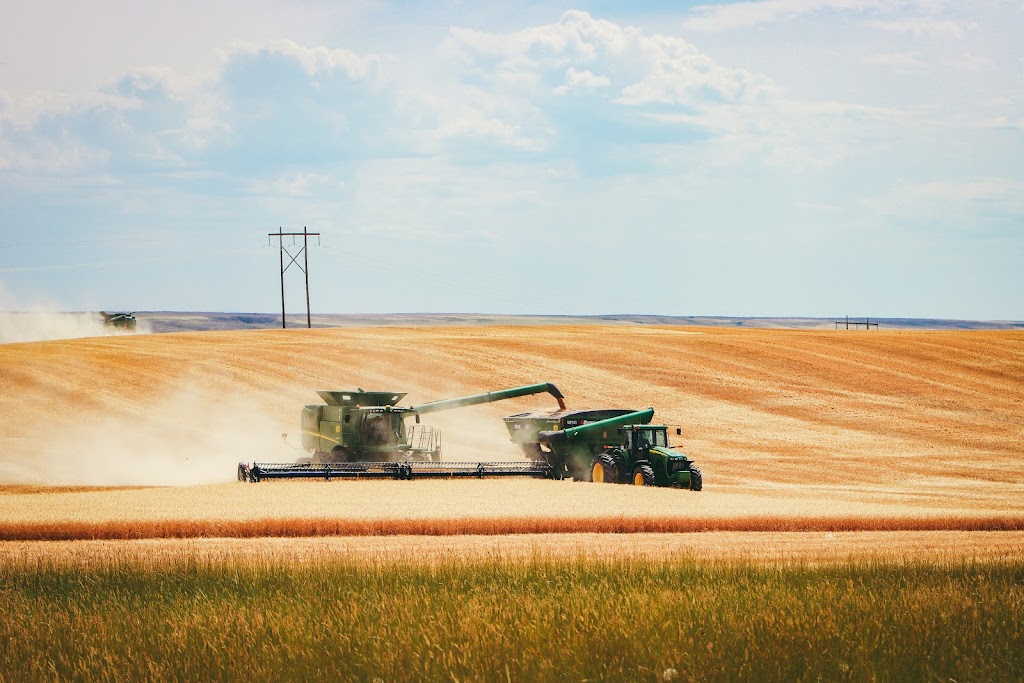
column 581, row 82
column 1001, row 195
column 663, row 85
column 921, row 27
column 728, row 16
column 319, row 59
column 900, row 62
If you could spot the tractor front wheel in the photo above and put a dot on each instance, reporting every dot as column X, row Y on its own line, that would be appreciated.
column 696, row 482
column 643, row 475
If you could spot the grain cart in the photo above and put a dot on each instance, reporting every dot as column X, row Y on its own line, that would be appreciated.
column 612, row 446
column 363, row 434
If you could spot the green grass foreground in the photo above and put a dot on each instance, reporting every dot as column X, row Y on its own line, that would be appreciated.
column 501, row 620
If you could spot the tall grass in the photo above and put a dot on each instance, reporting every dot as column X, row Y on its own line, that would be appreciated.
column 123, row 529
column 497, row 620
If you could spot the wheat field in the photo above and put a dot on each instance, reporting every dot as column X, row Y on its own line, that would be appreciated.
column 795, row 430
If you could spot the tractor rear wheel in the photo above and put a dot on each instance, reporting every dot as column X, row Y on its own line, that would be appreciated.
column 603, row 470
column 643, row 475
column 696, row 482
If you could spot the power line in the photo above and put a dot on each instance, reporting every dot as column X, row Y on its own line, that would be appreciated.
column 304, row 252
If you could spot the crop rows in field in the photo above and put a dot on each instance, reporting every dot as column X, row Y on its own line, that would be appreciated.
column 295, row 527
column 496, row 620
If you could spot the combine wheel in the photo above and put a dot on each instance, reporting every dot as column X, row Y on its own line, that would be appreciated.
column 338, row 455
column 696, row 483
column 604, row 470
column 643, row 475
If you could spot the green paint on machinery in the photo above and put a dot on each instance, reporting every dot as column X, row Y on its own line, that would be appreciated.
column 610, row 446
column 122, row 321
column 369, row 425
column 364, row 434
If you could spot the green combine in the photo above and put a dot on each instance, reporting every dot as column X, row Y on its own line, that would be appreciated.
column 363, row 434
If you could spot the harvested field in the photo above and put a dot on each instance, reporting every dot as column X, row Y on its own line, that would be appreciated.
column 795, row 430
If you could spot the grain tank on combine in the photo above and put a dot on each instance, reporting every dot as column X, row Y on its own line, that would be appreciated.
column 610, row 446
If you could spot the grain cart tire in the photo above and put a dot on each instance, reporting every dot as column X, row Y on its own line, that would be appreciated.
column 643, row 475
column 612, row 472
column 603, row 470
column 619, row 462
column 696, row 482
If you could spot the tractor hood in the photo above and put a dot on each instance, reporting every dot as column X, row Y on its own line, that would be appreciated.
column 669, row 452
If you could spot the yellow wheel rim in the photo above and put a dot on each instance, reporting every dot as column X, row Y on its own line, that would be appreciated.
column 598, row 473
column 638, row 479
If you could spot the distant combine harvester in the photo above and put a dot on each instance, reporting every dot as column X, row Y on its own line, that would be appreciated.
column 867, row 324
column 121, row 321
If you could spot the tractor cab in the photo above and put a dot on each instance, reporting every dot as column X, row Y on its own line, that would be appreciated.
column 638, row 439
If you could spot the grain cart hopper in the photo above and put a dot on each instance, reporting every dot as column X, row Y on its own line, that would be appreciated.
column 613, row 446
column 363, row 434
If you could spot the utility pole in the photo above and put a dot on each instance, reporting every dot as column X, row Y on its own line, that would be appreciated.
column 293, row 259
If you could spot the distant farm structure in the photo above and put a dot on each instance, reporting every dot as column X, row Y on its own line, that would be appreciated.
column 867, row 324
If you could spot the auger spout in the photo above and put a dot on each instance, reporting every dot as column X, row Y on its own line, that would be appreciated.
column 490, row 397
column 640, row 417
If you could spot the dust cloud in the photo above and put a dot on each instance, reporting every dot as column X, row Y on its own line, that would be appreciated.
column 35, row 321
column 191, row 437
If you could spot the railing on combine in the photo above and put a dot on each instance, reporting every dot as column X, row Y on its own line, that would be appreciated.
column 424, row 438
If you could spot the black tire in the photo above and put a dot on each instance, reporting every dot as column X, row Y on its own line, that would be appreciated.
column 338, row 455
column 604, row 470
column 619, row 462
column 696, row 481
column 643, row 475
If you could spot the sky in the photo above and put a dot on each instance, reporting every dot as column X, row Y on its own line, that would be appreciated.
column 762, row 158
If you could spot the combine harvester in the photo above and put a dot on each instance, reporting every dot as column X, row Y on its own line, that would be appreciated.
column 363, row 434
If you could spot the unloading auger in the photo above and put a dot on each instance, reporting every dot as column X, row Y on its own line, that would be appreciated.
column 362, row 434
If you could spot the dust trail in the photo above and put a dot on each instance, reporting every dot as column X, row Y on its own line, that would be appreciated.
column 193, row 436
column 42, row 321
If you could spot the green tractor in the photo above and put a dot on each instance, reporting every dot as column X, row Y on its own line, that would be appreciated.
column 619, row 448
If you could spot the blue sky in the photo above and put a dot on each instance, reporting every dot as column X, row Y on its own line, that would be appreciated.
column 782, row 157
